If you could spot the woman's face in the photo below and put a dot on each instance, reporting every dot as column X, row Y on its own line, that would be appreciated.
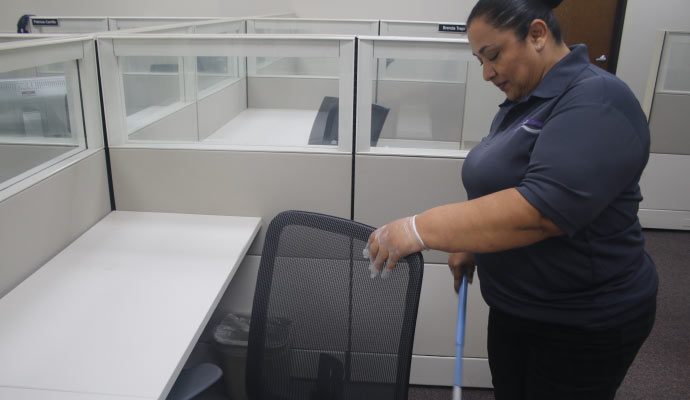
column 509, row 63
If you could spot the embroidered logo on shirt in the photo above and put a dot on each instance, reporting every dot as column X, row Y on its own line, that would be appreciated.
column 532, row 126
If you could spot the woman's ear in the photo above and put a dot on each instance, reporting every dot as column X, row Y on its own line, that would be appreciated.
column 538, row 34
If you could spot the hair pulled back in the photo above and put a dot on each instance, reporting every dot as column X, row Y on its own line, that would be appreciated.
column 517, row 15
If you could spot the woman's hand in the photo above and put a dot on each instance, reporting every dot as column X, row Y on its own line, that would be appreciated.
column 461, row 264
column 391, row 242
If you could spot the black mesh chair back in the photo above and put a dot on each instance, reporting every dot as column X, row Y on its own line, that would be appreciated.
column 321, row 327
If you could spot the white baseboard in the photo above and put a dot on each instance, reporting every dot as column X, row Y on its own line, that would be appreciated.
column 439, row 371
column 664, row 219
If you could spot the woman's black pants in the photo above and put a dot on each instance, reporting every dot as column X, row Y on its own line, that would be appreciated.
column 533, row 360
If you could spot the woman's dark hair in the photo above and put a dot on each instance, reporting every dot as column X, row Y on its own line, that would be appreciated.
column 23, row 23
column 517, row 15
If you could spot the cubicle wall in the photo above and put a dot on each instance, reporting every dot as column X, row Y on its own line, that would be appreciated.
column 53, row 181
column 665, row 182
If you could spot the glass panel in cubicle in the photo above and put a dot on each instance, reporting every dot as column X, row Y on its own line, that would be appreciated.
column 298, row 26
column 120, row 23
column 675, row 64
column 420, row 96
column 233, row 26
column 669, row 117
column 157, row 86
column 227, row 25
column 34, row 103
column 229, row 90
column 44, row 85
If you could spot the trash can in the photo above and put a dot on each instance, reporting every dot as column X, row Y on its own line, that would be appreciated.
column 231, row 336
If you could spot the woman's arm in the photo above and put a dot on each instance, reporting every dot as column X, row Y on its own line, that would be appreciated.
column 496, row 222
column 499, row 221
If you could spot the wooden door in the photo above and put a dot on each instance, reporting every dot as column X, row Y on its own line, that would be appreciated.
column 596, row 23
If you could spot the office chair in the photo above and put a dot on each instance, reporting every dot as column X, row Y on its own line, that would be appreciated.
column 321, row 327
column 198, row 375
column 193, row 381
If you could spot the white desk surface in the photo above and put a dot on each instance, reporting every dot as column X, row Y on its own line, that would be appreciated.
column 267, row 126
column 116, row 314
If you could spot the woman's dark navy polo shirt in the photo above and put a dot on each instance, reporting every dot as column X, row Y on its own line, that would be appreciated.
column 575, row 149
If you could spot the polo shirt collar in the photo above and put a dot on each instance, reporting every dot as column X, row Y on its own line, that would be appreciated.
column 561, row 75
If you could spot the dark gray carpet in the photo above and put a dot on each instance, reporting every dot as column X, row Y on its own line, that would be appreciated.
column 662, row 367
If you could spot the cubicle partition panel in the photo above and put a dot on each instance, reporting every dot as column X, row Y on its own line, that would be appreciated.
column 123, row 23
column 268, row 91
column 413, row 96
column 53, row 184
column 428, row 29
column 64, row 24
column 412, row 100
column 301, row 26
column 665, row 183
column 233, row 25
column 217, row 26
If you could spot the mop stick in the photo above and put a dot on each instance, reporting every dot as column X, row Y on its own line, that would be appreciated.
column 460, row 339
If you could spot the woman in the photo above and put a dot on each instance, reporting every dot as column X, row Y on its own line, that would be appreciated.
column 552, row 216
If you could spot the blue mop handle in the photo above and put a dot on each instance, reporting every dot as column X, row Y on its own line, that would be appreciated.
column 460, row 333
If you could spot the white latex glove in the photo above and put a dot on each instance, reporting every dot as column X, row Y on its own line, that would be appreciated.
column 391, row 242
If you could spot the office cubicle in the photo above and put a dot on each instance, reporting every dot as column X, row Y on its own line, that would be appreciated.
column 245, row 125
column 229, row 90
column 53, row 184
column 665, row 183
